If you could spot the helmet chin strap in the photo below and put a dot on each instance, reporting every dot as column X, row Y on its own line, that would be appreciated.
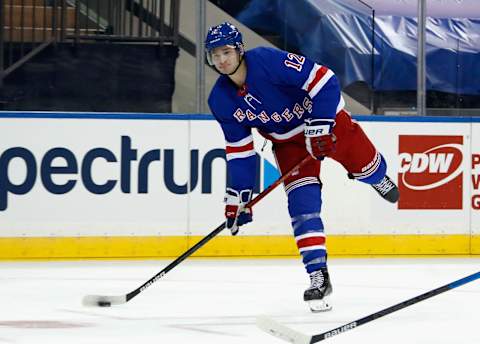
column 238, row 66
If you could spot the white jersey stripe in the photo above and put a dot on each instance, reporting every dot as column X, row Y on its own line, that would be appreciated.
column 240, row 143
column 288, row 135
column 300, row 128
column 239, row 155
column 311, row 76
column 319, row 85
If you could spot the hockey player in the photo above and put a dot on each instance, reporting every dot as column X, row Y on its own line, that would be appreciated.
column 297, row 104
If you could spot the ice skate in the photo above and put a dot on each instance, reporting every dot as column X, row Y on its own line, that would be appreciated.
column 387, row 189
column 320, row 288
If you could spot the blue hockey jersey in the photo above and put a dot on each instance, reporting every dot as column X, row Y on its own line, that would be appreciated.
column 281, row 91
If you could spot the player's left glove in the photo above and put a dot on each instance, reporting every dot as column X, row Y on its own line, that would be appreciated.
column 319, row 139
column 236, row 212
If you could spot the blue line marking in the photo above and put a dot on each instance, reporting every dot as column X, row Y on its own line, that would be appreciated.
column 424, row 119
column 101, row 115
column 208, row 117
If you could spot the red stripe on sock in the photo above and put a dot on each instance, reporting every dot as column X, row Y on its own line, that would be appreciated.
column 313, row 241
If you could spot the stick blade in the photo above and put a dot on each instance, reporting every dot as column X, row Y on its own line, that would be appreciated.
column 281, row 331
column 103, row 301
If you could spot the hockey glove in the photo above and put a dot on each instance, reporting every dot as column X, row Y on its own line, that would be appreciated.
column 236, row 212
column 319, row 139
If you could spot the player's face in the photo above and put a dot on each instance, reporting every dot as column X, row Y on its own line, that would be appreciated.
column 225, row 59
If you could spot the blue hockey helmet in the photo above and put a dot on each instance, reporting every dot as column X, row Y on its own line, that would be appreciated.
column 221, row 35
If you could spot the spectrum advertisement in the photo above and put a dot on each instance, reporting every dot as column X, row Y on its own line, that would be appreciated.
column 74, row 175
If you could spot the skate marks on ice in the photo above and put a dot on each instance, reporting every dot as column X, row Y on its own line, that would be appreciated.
column 217, row 301
column 43, row 324
column 209, row 325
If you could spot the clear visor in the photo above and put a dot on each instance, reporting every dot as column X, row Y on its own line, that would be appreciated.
column 216, row 53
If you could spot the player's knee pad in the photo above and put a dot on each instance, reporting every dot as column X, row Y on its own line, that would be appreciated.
column 304, row 204
column 373, row 172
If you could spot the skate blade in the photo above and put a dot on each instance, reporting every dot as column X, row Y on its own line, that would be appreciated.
column 317, row 306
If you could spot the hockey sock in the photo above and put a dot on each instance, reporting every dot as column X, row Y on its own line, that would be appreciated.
column 304, row 205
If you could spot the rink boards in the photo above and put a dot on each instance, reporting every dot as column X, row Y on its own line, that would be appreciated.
column 75, row 185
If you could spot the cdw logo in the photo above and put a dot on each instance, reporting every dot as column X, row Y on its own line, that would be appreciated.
column 430, row 172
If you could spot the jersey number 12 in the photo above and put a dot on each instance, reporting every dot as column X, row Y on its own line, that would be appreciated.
column 295, row 61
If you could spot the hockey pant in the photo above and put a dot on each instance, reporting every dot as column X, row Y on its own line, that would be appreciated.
column 357, row 155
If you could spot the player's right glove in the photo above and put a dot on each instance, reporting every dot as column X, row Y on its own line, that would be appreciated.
column 236, row 212
column 319, row 139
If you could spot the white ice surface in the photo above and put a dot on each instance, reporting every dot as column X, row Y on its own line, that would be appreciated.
column 216, row 301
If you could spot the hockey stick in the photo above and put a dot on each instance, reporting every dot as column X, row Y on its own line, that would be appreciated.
column 290, row 335
column 107, row 301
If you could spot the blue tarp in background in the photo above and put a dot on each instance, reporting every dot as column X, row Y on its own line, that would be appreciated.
column 338, row 33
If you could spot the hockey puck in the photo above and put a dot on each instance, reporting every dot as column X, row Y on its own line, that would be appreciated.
column 104, row 304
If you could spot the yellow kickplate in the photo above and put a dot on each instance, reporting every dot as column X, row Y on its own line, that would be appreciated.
column 228, row 246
